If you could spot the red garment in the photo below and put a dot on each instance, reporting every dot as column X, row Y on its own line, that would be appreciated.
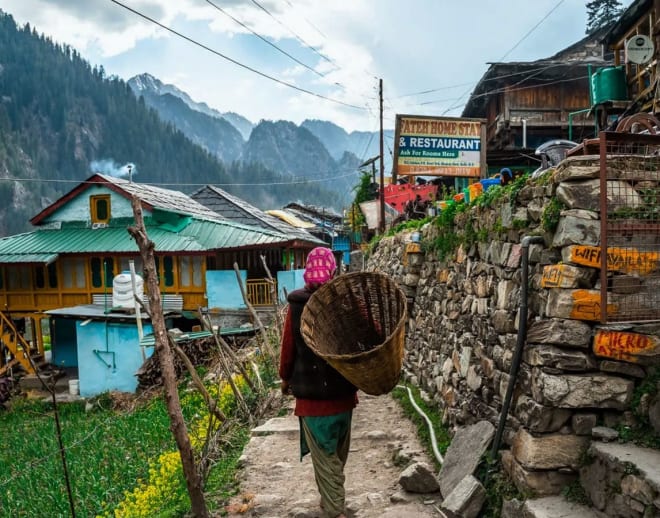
column 308, row 407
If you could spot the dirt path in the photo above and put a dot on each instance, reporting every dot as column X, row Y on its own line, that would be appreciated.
column 275, row 484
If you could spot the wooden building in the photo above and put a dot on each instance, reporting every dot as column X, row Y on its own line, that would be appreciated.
column 528, row 103
column 81, row 244
column 641, row 18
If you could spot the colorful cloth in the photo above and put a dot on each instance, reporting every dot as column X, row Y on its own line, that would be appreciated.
column 320, row 266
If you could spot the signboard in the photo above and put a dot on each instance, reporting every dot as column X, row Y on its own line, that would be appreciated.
column 439, row 146
column 639, row 49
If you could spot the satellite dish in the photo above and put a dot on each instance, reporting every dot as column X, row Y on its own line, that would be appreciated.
column 639, row 49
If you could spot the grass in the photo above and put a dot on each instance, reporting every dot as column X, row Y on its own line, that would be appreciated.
column 109, row 454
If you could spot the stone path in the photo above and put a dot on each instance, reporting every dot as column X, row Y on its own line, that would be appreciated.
column 275, row 484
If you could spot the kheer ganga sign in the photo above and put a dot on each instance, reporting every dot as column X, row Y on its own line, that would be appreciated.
column 439, row 146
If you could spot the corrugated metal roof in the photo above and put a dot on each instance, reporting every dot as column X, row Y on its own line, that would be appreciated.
column 290, row 218
column 197, row 236
column 27, row 258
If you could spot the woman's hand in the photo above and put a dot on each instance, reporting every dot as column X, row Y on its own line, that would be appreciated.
column 286, row 389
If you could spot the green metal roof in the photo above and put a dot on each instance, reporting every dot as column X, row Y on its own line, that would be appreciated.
column 27, row 258
column 43, row 245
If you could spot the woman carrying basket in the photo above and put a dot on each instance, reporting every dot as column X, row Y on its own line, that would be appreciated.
column 324, row 398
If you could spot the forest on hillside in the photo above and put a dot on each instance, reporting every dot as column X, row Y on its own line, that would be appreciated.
column 58, row 114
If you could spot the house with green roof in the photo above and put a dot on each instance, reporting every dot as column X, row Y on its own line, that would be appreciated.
column 81, row 244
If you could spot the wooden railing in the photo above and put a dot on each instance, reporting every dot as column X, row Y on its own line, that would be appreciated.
column 258, row 292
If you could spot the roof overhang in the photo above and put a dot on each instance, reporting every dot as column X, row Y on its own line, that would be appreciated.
column 28, row 258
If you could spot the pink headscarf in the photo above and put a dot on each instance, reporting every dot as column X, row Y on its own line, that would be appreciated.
column 320, row 267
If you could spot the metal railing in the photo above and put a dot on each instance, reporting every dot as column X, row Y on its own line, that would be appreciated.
column 630, row 227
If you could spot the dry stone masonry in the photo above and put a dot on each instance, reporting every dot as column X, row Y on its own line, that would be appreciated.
column 575, row 375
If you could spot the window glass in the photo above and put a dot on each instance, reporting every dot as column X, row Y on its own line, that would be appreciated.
column 39, row 280
column 100, row 208
column 168, row 270
column 97, row 274
column 198, row 263
column 52, row 275
column 185, row 267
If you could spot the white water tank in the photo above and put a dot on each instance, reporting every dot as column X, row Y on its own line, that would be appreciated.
column 122, row 290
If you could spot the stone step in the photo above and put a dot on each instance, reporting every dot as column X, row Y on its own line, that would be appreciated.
column 556, row 507
column 285, row 425
column 622, row 480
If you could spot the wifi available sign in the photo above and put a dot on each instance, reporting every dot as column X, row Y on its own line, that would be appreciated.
column 433, row 146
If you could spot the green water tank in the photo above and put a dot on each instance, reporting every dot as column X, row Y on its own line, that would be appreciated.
column 608, row 84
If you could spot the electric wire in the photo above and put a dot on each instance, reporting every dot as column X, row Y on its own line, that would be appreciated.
column 494, row 78
column 307, row 20
column 234, row 61
column 292, row 32
column 268, row 42
column 512, row 49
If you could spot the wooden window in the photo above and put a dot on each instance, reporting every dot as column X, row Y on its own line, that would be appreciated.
column 73, row 273
column 165, row 270
column 102, row 268
column 19, row 278
column 190, row 271
column 100, row 208
column 45, row 276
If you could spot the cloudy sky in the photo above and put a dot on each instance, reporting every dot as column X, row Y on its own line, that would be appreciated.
column 311, row 59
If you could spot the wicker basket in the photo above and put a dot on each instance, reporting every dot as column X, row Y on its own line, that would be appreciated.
column 356, row 323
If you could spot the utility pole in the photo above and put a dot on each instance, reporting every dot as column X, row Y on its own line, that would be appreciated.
column 381, row 194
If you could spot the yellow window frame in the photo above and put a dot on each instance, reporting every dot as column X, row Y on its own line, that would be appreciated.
column 93, row 208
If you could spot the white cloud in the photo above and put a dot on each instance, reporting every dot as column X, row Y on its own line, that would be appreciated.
column 415, row 45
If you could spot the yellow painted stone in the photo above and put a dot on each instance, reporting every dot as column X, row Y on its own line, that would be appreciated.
column 627, row 260
column 622, row 345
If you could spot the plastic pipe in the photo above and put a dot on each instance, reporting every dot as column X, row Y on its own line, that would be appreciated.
column 434, row 442
column 520, row 343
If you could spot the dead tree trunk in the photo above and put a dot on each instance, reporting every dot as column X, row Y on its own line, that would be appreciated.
column 166, row 359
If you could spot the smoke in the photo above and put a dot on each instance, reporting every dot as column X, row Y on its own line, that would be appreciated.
column 111, row 168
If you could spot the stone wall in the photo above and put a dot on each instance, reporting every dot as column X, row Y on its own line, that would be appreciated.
column 464, row 313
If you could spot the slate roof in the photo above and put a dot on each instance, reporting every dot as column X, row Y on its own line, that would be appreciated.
column 152, row 197
column 235, row 209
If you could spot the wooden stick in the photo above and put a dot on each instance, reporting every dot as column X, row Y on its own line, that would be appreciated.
column 223, row 345
column 255, row 316
column 273, row 296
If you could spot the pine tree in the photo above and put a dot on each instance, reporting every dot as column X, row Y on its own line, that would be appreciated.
column 601, row 13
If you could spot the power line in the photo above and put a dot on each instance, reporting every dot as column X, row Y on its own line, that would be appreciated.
column 307, row 20
column 292, row 32
column 235, row 62
column 514, row 47
column 264, row 39
column 296, row 180
column 495, row 78
column 514, row 90
column 532, row 29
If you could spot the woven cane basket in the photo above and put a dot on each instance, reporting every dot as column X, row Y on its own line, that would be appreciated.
column 356, row 324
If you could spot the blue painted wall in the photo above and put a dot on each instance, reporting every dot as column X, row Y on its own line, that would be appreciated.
column 63, row 342
column 291, row 280
column 121, row 339
column 77, row 209
column 222, row 289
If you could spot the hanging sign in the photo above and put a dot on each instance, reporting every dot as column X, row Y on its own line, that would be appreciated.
column 639, row 49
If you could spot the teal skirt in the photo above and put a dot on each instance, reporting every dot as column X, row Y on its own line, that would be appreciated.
column 327, row 431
